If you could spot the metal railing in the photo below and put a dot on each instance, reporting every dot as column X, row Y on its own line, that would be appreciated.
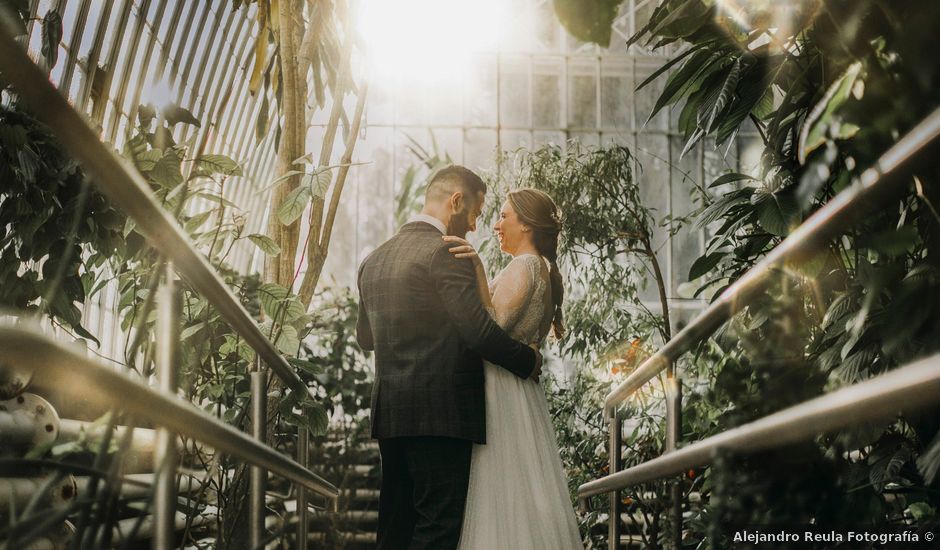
column 885, row 179
column 100, row 383
column 122, row 184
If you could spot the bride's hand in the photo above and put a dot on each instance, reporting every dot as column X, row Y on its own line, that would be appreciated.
column 463, row 249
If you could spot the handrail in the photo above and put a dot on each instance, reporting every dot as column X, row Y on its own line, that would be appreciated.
column 121, row 183
column 31, row 349
column 907, row 388
column 877, row 181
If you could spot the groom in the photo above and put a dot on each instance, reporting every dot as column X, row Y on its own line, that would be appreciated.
column 420, row 311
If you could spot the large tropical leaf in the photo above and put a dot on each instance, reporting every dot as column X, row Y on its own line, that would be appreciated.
column 823, row 120
column 588, row 20
column 294, row 204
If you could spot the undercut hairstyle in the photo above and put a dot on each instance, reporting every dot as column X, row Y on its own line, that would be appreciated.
column 454, row 178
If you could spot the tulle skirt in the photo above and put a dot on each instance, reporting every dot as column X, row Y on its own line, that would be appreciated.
column 518, row 497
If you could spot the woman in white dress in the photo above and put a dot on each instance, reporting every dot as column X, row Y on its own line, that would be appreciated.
column 518, row 496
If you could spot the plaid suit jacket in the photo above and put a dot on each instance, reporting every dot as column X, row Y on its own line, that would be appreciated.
column 420, row 312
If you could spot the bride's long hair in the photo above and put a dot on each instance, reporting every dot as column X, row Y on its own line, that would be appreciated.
column 537, row 210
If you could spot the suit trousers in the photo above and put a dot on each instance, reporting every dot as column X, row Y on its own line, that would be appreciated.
column 423, row 492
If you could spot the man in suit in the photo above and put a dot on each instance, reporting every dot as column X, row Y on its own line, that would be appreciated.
column 421, row 313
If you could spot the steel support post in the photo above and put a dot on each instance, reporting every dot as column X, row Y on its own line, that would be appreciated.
column 165, row 453
column 615, row 452
column 259, row 415
column 673, row 429
column 303, row 447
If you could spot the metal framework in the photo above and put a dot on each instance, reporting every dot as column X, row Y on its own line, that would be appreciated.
column 877, row 397
column 129, row 192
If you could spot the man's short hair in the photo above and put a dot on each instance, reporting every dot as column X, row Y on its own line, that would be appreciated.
column 454, row 178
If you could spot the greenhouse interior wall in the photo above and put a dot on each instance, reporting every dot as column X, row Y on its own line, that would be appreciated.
column 538, row 86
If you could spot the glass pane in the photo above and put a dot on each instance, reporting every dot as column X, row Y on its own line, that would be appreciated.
column 685, row 177
column 546, row 93
column 616, row 95
column 510, row 140
column 514, row 93
column 582, row 95
column 645, row 99
column 479, row 148
column 480, row 95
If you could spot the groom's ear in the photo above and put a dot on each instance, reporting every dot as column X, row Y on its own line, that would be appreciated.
column 457, row 201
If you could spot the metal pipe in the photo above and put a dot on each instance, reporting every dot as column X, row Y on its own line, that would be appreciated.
column 906, row 388
column 147, row 528
column 121, row 183
column 673, row 431
column 139, row 456
column 615, row 453
column 259, row 417
column 138, row 486
column 100, row 383
column 13, row 382
column 19, row 491
column 27, row 421
column 882, row 179
column 303, row 456
column 165, row 453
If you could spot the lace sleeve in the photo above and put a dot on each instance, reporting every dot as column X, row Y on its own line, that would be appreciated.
column 515, row 289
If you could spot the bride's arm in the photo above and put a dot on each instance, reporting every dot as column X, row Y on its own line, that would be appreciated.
column 464, row 249
column 513, row 293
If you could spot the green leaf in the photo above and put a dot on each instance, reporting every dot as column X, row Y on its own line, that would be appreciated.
column 319, row 183
column 261, row 126
column 683, row 21
column 729, row 178
column 195, row 222
column 279, row 304
column 294, row 204
column 921, row 511
column 166, row 172
column 750, row 93
column 727, row 91
column 51, row 35
column 307, row 366
column 265, row 243
column 704, row 264
column 687, row 79
column 146, row 161
column 208, row 165
column 668, row 65
column 721, row 206
column 929, row 463
column 279, row 179
column 189, row 332
column 895, row 242
column 823, row 119
column 174, row 114
column 80, row 330
column 218, row 199
column 271, row 296
column 775, row 212
column 287, row 340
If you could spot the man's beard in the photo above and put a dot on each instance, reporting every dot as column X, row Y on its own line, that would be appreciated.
column 457, row 225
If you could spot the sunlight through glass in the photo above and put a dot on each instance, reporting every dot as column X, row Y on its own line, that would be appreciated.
column 429, row 40
column 159, row 94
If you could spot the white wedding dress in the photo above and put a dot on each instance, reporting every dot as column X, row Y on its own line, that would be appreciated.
column 518, row 497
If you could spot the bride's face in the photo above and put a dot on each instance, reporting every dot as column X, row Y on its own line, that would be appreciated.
column 509, row 230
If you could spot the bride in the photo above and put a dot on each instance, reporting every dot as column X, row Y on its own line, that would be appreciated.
column 518, row 497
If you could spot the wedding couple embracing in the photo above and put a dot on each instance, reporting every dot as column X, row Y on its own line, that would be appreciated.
column 469, row 456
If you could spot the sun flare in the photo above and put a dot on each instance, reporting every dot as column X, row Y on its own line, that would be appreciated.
column 428, row 40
